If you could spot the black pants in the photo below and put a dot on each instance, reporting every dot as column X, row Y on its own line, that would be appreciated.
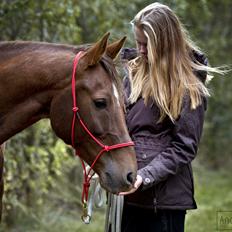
column 136, row 219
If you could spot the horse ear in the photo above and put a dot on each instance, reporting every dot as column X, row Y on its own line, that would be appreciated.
column 94, row 53
column 113, row 49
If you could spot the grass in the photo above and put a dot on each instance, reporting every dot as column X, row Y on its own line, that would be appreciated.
column 213, row 193
column 53, row 220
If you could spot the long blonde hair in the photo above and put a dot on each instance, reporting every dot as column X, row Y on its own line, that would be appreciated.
column 168, row 75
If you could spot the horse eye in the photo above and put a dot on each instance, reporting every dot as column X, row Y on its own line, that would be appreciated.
column 100, row 103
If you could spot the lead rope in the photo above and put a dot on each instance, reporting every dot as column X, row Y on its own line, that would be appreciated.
column 95, row 195
column 114, row 213
column 105, row 148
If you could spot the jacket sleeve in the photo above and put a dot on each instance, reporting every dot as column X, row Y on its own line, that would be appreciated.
column 182, row 150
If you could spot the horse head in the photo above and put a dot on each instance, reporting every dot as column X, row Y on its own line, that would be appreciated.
column 99, row 100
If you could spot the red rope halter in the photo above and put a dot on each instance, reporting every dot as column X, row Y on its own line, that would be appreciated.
column 105, row 148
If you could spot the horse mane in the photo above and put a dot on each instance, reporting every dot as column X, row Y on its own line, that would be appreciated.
column 31, row 45
column 9, row 48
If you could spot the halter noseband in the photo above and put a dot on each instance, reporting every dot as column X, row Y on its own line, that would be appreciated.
column 105, row 148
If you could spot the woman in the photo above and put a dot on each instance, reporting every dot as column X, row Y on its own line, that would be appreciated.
column 166, row 103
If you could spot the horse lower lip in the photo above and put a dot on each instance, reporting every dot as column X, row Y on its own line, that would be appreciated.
column 114, row 189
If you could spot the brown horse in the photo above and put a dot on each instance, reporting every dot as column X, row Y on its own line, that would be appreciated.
column 35, row 83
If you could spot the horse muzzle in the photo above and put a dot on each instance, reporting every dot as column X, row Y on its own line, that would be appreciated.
column 115, row 181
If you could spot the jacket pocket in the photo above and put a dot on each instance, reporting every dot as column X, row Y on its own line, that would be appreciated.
column 147, row 147
column 145, row 155
column 176, row 190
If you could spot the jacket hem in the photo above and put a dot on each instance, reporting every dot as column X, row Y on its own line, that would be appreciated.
column 164, row 207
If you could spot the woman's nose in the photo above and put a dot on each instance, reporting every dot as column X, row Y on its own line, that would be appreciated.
column 143, row 49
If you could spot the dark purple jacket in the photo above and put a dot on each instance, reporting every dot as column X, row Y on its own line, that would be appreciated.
column 164, row 153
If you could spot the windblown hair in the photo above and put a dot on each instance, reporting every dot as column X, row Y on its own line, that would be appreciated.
column 168, row 75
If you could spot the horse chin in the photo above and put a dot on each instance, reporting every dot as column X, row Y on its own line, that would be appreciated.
column 109, row 189
column 112, row 185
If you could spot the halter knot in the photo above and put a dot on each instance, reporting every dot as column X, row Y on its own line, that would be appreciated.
column 86, row 184
column 75, row 109
column 106, row 148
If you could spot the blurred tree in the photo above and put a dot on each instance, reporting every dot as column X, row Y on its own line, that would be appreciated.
column 42, row 20
column 35, row 158
column 209, row 23
column 34, row 161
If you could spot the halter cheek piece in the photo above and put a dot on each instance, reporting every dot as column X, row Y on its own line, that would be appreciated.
column 105, row 148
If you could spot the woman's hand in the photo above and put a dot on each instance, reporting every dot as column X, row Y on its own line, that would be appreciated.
column 138, row 182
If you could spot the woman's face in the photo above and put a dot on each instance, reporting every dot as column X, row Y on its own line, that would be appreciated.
column 141, row 41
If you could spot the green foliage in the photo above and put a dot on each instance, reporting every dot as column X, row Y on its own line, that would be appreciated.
column 34, row 160
column 212, row 33
column 213, row 192
column 42, row 20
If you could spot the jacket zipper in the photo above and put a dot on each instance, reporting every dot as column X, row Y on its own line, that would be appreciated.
column 155, row 203
column 154, row 199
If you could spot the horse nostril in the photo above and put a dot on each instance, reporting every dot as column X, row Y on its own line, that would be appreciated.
column 130, row 178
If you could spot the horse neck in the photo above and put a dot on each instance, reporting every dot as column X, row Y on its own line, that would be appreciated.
column 32, row 69
column 30, row 76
